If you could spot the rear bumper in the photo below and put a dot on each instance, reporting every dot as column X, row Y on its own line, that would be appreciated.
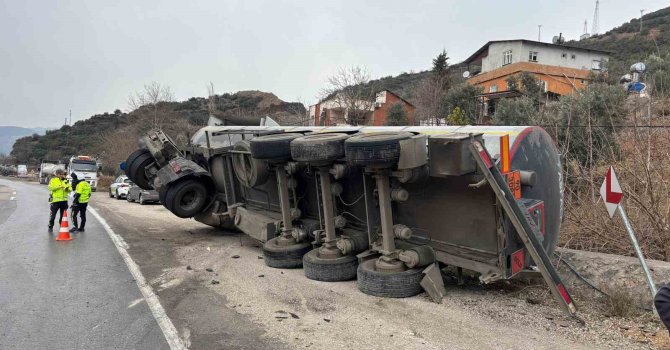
column 150, row 197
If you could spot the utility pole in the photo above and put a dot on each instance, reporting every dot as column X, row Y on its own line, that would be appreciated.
column 70, row 118
column 539, row 31
column 641, row 14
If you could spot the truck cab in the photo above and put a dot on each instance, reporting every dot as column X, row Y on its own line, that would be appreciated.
column 86, row 169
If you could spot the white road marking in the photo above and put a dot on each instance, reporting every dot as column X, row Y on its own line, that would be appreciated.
column 135, row 302
column 164, row 322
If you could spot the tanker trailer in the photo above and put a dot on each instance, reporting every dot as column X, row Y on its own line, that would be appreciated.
column 48, row 170
column 376, row 204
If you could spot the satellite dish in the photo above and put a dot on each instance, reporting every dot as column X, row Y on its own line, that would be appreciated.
column 638, row 67
column 466, row 74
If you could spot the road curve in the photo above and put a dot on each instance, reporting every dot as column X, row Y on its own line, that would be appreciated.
column 64, row 295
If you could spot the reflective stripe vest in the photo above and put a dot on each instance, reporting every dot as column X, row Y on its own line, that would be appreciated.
column 84, row 191
column 59, row 190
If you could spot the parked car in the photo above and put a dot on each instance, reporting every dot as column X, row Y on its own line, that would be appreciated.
column 136, row 194
column 119, row 188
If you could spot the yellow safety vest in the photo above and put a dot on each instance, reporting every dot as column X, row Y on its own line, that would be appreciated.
column 84, row 190
column 59, row 190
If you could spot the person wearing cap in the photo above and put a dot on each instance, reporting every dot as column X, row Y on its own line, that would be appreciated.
column 59, row 188
column 79, row 204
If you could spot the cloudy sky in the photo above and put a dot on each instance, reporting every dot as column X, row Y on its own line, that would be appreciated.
column 88, row 56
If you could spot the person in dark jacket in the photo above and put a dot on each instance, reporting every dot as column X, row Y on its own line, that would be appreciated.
column 662, row 303
column 75, row 180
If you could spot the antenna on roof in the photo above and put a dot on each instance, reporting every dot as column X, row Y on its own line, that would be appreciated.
column 596, row 18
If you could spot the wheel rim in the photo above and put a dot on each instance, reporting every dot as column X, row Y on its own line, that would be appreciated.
column 189, row 200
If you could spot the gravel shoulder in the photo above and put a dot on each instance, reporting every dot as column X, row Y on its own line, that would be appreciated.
column 219, row 293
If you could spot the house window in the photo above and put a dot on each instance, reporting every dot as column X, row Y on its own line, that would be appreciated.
column 573, row 56
column 564, row 55
column 532, row 56
column 507, row 57
column 493, row 88
column 595, row 65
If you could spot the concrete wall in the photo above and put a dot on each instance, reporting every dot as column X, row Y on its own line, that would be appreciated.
column 547, row 55
column 494, row 59
column 553, row 56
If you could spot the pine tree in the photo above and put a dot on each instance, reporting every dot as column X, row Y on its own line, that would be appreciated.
column 396, row 116
column 440, row 64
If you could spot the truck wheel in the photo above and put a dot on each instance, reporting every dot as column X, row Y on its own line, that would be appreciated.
column 388, row 284
column 284, row 257
column 323, row 148
column 275, row 146
column 131, row 158
column 186, row 198
column 136, row 170
column 329, row 270
column 249, row 171
column 375, row 149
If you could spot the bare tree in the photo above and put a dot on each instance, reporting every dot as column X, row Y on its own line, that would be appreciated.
column 151, row 96
column 351, row 91
column 429, row 98
column 211, row 99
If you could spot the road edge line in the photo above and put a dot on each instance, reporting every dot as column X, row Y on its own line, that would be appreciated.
column 167, row 327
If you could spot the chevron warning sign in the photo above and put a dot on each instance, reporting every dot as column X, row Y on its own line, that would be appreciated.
column 610, row 191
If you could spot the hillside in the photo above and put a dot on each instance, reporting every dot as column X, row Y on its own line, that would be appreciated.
column 9, row 135
column 109, row 135
column 629, row 45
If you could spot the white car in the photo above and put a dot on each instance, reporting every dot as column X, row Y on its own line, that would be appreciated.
column 119, row 188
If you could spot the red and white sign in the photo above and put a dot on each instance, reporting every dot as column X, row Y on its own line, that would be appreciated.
column 611, row 192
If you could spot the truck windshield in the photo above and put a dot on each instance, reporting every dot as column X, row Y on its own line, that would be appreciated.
column 84, row 166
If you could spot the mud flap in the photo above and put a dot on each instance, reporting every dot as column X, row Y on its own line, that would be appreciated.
column 433, row 283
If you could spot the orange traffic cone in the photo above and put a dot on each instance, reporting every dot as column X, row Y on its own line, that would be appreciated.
column 64, row 233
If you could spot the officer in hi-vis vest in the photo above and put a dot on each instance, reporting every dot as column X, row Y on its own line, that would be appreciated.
column 59, row 188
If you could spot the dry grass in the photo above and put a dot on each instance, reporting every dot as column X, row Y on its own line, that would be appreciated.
column 641, row 160
column 104, row 181
column 620, row 303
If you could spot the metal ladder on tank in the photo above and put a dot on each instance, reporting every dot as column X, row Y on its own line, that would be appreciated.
column 523, row 224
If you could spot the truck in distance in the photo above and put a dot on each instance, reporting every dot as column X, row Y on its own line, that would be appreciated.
column 48, row 170
column 86, row 169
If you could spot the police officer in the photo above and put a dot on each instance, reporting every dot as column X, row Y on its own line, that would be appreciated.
column 59, row 188
column 79, row 204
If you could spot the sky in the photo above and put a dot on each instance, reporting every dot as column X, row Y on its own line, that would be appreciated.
column 89, row 56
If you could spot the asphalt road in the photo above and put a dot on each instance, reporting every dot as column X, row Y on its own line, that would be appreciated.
column 218, row 294
column 65, row 295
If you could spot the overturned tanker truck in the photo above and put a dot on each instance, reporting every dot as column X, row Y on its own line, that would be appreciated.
column 383, row 205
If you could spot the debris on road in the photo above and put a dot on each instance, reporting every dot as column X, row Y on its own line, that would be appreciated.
column 235, row 256
column 215, row 282
column 209, row 270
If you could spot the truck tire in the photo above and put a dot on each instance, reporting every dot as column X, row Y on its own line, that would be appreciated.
column 250, row 172
column 135, row 167
column 284, row 257
column 388, row 284
column 381, row 149
column 273, row 147
column 329, row 270
column 131, row 158
column 323, row 148
column 186, row 197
